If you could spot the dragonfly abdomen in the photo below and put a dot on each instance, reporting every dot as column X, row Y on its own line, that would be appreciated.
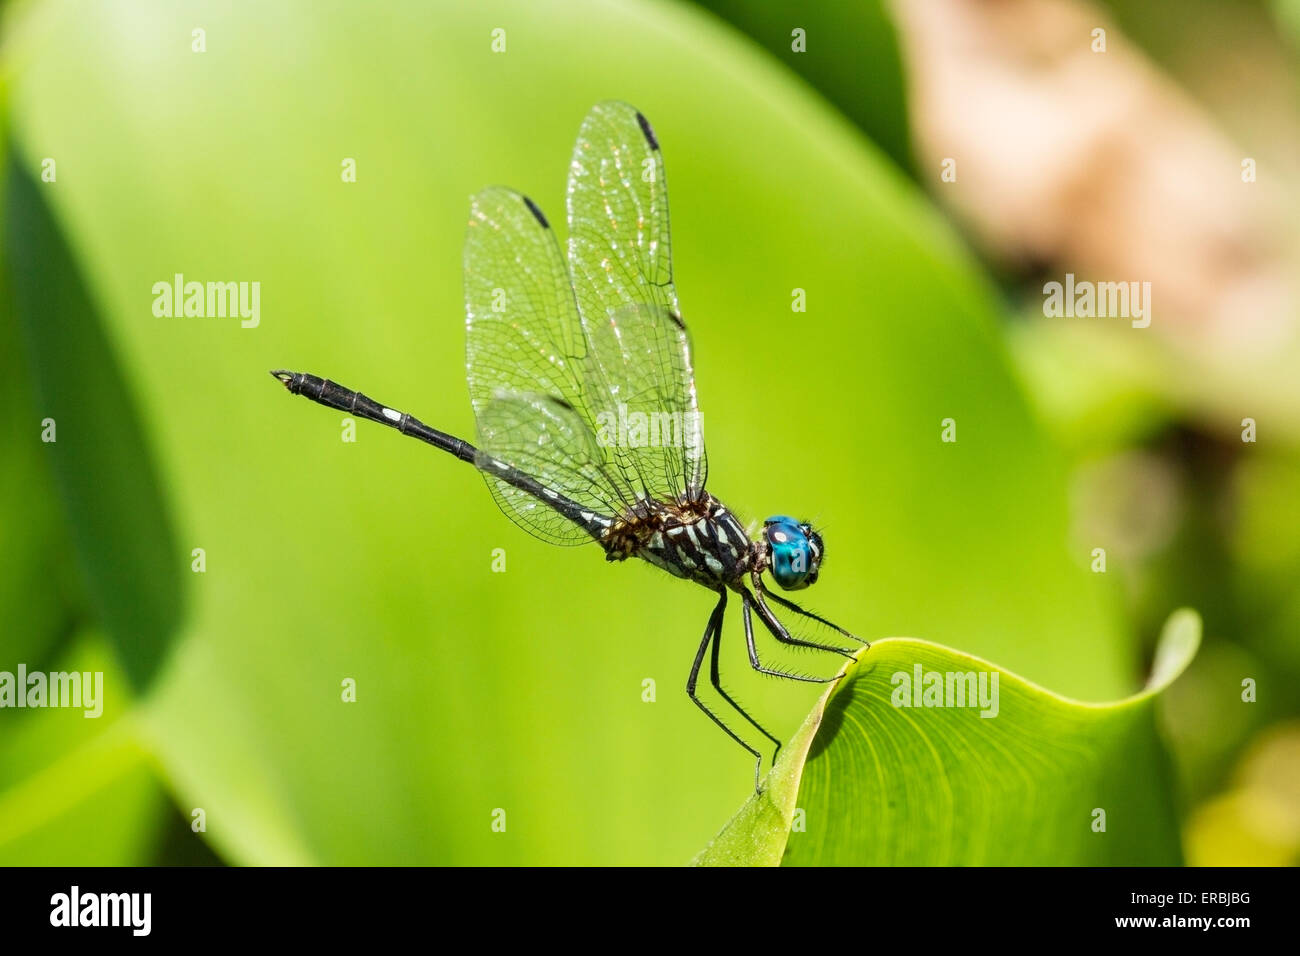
column 333, row 395
column 595, row 524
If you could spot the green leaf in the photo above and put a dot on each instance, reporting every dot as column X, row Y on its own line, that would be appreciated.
column 850, row 55
column 39, row 592
column 887, row 784
column 100, row 459
column 756, row 835
column 77, row 790
column 73, row 790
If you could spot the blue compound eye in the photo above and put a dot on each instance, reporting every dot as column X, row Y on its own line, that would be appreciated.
column 796, row 552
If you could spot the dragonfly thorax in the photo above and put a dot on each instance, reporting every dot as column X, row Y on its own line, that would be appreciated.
column 699, row 540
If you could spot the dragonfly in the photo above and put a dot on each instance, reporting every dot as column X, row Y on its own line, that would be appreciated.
column 582, row 384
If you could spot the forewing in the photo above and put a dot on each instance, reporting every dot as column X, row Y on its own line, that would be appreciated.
column 620, row 265
column 639, row 360
column 619, row 246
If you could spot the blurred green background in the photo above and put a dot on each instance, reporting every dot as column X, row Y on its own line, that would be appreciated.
column 372, row 561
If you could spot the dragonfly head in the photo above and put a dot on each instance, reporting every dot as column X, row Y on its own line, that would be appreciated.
column 794, row 552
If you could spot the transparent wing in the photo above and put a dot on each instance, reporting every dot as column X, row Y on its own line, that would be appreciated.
column 641, row 395
column 524, row 349
column 547, row 439
column 522, row 326
column 620, row 265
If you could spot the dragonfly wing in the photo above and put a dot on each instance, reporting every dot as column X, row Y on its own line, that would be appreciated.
column 620, row 265
column 638, row 364
column 546, row 438
column 524, row 353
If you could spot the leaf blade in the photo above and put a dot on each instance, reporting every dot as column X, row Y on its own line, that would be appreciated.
column 887, row 783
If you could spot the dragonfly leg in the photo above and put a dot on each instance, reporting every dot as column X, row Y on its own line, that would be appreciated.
column 816, row 617
column 711, row 631
column 717, row 684
column 747, row 602
column 779, row 631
